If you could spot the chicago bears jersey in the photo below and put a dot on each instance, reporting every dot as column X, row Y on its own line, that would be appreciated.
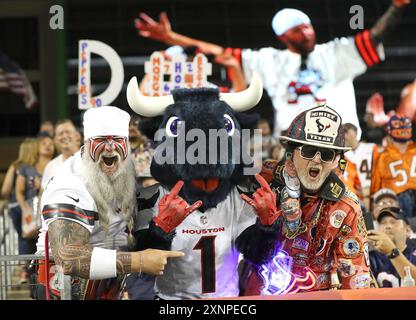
column 209, row 267
column 395, row 170
column 384, row 271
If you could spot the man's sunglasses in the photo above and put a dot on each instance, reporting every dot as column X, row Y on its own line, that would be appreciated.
column 309, row 152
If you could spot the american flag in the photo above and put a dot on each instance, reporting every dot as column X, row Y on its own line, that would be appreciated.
column 13, row 79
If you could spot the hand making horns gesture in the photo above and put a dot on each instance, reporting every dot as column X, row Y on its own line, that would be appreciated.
column 173, row 209
column 264, row 201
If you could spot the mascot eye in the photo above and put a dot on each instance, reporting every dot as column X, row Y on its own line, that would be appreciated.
column 229, row 124
column 172, row 126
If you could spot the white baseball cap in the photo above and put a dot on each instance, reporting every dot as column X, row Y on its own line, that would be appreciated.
column 287, row 18
column 106, row 121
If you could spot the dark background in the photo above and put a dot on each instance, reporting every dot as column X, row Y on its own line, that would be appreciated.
column 234, row 23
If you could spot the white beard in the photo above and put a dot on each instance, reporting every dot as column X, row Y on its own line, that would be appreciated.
column 118, row 189
column 312, row 186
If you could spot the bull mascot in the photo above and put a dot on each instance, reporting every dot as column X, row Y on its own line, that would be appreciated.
column 220, row 222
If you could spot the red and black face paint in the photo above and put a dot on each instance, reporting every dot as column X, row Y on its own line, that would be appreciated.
column 400, row 128
column 97, row 145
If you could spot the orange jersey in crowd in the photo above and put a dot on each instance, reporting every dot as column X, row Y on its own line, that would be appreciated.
column 394, row 170
column 351, row 178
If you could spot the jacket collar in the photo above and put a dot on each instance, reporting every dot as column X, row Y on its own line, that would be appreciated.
column 333, row 188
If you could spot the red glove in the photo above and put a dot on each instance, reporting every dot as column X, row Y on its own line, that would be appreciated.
column 173, row 209
column 264, row 201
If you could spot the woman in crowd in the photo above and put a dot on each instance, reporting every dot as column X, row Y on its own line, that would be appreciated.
column 26, row 157
column 27, row 190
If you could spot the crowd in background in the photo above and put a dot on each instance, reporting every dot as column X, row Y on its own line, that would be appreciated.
column 390, row 208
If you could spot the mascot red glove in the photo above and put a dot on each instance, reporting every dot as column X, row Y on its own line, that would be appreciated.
column 264, row 201
column 173, row 209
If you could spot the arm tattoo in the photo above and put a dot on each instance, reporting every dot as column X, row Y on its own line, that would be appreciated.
column 123, row 263
column 70, row 247
column 386, row 24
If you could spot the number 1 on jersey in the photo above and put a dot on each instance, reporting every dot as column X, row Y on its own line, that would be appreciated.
column 207, row 246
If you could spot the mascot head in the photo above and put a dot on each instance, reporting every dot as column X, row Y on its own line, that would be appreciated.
column 199, row 137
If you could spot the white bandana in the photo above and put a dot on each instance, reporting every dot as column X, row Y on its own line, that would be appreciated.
column 286, row 19
column 106, row 121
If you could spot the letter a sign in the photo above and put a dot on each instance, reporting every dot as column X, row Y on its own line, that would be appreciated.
column 85, row 98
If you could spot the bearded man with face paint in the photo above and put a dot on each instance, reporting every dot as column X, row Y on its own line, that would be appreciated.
column 87, row 215
column 323, row 239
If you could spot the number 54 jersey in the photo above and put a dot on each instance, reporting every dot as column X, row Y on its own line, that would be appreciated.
column 395, row 170
column 209, row 267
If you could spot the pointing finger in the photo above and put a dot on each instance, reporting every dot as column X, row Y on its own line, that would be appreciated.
column 174, row 254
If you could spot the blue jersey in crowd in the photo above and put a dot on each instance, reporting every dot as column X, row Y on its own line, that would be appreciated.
column 383, row 269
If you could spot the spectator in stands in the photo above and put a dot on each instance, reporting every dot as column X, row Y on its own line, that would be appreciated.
column 351, row 179
column 268, row 141
column 406, row 107
column 361, row 155
column 277, row 152
column 141, row 152
column 305, row 73
column 47, row 127
column 394, row 166
column 321, row 225
column 67, row 140
column 384, row 198
column 26, row 157
column 28, row 184
column 393, row 251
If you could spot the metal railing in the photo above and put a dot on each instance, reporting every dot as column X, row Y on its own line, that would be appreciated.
column 8, row 247
column 10, row 259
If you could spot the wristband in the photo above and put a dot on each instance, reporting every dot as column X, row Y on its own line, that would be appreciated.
column 103, row 264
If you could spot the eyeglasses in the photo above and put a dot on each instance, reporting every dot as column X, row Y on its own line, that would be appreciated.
column 309, row 152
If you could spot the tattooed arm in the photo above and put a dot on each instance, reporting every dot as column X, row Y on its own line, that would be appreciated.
column 71, row 249
column 388, row 21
